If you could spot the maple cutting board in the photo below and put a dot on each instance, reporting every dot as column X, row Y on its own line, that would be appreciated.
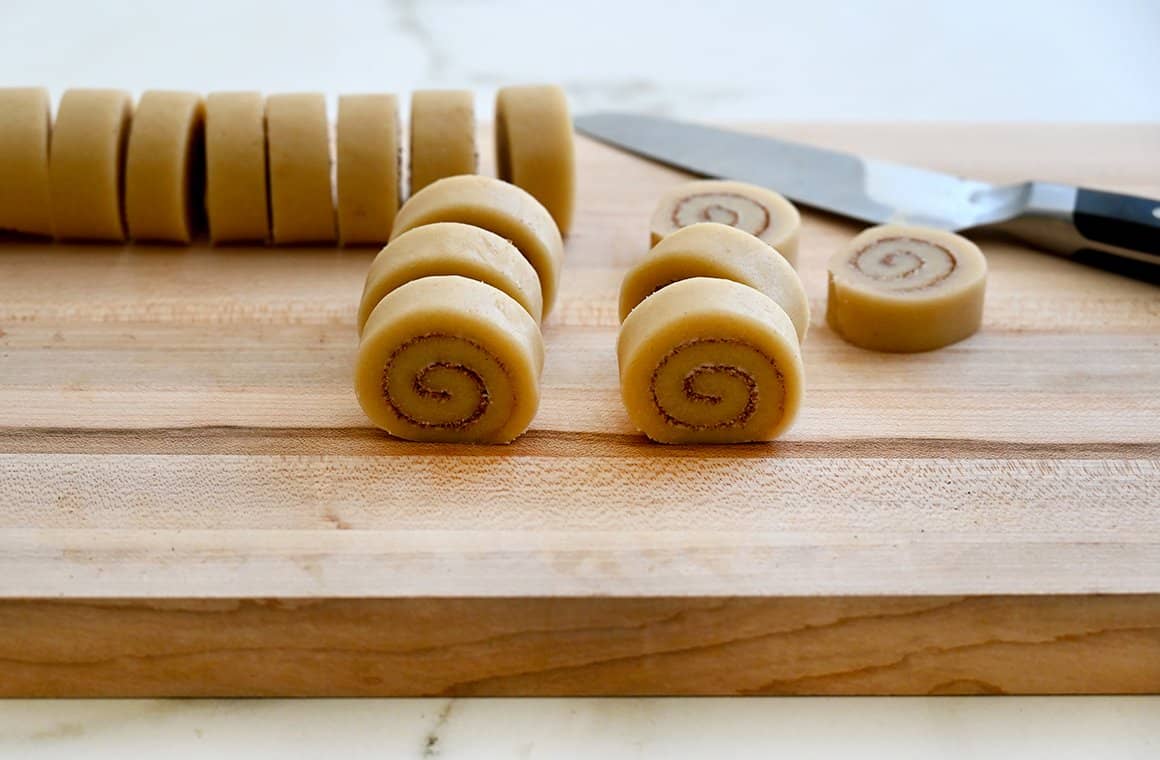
column 192, row 503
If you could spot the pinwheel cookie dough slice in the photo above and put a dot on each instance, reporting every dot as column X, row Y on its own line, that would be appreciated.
column 301, row 202
column 448, row 248
column 235, row 160
column 450, row 359
column 85, row 164
column 368, row 167
column 496, row 206
column 906, row 289
column 709, row 249
column 163, row 166
column 707, row 360
column 760, row 212
column 442, row 136
column 25, row 196
column 534, row 147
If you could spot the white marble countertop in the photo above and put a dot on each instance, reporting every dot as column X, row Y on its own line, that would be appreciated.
column 771, row 60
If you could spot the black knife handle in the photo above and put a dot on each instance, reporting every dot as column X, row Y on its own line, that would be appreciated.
column 1123, row 221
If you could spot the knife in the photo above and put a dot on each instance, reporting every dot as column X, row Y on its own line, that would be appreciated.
column 1108, row 230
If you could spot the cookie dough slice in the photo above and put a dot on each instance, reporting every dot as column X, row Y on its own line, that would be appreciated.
column 709, row 249
column 756, row 210
column 707, row 360
column 906, row 289
column 450, row 359
column 85, row 164
column 298, row 153
column 368, row 168
column 534, row 147
column 442, row 136
column 25, row 197
column 235, row 156
column 164, row 165
column 498, row 207
column 449, row 248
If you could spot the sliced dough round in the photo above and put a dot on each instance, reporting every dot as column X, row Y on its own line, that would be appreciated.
column 235, row 159
column 25, row 125
column 85, row 164
column 449, row 248
column 534, row 147
column 368, row 168
column 715, row 250
column 756, row 210
column 450, row 359
column 498, row 207
column 906, row 289
column 301, row 202
column 442, row 136
column 163, row 166
column 710, row 361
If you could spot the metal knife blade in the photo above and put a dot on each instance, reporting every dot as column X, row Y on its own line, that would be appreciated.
column 870, row 190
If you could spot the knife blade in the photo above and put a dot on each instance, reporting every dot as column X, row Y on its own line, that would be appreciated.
column 1106, row 229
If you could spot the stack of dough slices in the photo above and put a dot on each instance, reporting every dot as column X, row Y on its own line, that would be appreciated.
column 450, row 346
column 710, row 340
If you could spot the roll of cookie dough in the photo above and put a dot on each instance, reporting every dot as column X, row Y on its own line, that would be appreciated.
column 707, row 360
column 709, row 249
column 235, row 158
column 164, row 165
column 498, row 207
column 368, row 167
column 756, row 210
column 450, row 359
column 85, row 164
column 906, row 289
column 533, row 146
column 298, row 153
column 447, row 248
column 442, row 136
column 25, row 197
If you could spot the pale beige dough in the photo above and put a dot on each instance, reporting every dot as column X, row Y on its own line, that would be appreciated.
column 450, row 359
column 25, row 126
column 164, row 165
column 449, row 248
column 442, row 136
column 709, row 249
column 906, row 289
column 756, row 210
column 85, row 164
column 235, row 149
column 498, row 207
column 301, row 201
column 707, row 360
column 534, row 147
column 368, row 167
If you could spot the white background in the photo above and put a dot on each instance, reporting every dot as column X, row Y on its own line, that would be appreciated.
column 714, row 59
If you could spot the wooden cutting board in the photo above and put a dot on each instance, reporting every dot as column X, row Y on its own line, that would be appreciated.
column 192, row 503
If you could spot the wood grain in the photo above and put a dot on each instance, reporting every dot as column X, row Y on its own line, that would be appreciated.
column 191, row 501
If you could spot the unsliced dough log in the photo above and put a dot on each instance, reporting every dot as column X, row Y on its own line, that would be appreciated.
column 301, row 202
column 442, row 136
column 25, row 197
column 450, row 359
column 235, row 155
column 498, row 207
column 85, row 164
column 899, row 288
column 716, row 250
column 449, row 248
column 756, row 210
column 368, row 167
column 534, row 147
column 707, row 360
column 164, row 165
